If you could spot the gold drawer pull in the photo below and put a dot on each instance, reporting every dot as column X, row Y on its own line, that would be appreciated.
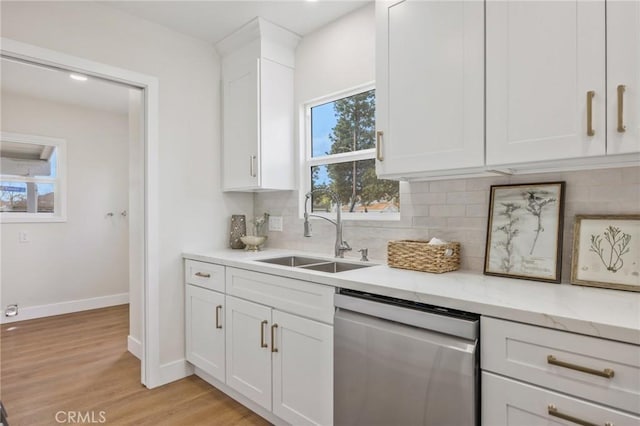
column 590, row 95
column 218, row 310
column 273, row 338
column 553, row 411
column 606, row 373
column 202, row 275
column 263, row 344
column 621, row 126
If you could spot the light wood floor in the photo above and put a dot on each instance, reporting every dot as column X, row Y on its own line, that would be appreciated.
column 79, row 362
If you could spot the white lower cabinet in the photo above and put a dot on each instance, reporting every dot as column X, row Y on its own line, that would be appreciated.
column 512, row 403
column 248, row 350
column 539, row 376
column 302, row 370
column 266, row 338
column 281, row 361
column 205, row 331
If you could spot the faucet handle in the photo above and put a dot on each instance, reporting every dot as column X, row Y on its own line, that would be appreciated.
column 365, row 252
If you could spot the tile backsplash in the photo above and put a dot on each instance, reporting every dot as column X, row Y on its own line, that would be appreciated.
column 454, row 210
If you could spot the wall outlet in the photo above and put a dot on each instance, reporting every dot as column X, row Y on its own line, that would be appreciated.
column 275, row 223
column 23, row 237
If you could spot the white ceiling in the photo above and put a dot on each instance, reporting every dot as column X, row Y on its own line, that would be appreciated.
column 212, row 20
column 56, row 85
column 209, row 20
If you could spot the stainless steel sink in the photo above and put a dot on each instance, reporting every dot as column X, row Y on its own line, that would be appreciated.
column 335, row 267
column 293, row 261
column 314, row 264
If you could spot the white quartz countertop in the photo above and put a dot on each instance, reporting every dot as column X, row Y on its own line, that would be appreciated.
column 611, row 314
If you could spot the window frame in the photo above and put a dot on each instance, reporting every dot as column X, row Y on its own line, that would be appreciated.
column 307, row 161
column 59, row 182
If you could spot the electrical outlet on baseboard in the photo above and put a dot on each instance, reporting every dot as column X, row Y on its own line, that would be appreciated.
column 23, row 237
column 275, row 223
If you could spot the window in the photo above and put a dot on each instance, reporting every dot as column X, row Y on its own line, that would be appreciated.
column 340, row 157
column 32, row 181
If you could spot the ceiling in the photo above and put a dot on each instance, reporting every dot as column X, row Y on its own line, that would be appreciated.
column 55, row 85
column 212, row 20
column 209, row 20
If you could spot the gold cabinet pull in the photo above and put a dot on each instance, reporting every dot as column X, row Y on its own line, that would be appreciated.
column 273, row 338
column 379, row 135
column 218, row 310
column 263, row 344
column 607, row 373
column 252, row 165
column 202, row 275
column 553, row 411
column 621, row 127
column 590, row 95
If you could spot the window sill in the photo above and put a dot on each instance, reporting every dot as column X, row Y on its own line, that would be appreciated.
column 32, row 218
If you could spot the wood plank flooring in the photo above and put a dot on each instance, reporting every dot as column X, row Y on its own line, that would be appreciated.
column 79, row 363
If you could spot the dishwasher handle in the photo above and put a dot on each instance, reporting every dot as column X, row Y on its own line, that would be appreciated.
column 441, row 323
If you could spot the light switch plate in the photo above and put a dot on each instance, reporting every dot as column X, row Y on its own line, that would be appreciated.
column 275, row 223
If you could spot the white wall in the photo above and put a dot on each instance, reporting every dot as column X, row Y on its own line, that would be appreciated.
column 86, row 256
column 194, row 213
column 339, row 56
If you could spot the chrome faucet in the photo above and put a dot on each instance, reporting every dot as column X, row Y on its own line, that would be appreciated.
column 340, row 246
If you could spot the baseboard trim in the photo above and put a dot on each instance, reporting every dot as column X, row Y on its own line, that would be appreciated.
column 134, row 346
column 41, row 311
column 172, row 371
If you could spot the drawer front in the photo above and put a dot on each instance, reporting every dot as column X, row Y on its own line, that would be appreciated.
column 206, row 275
column 302, row 298
column 595, row 369
column 512, row 403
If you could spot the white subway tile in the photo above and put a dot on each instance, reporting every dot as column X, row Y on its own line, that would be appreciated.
column 447, row 210
column 447, row 185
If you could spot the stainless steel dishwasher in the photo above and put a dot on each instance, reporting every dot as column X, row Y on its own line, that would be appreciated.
column 398, row 363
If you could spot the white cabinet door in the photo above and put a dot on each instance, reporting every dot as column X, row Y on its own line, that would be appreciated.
column 205, row 337
column 623, row 69
column 542, row 58
column 241, row 125
column 248, row 350
column 511, row 403
column 430, row 84
column 302, row 370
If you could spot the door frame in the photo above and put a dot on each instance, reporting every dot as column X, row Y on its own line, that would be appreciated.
column 150, row 353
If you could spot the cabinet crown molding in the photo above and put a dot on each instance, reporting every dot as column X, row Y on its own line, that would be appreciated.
column 258, row 29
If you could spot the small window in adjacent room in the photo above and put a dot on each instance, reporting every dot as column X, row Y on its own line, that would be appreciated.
column 32, row 180
column 340, row 157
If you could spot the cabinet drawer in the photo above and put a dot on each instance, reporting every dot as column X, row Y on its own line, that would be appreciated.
column 511, row 403
column 202, row 274
column 303, row 298
column 563, row 361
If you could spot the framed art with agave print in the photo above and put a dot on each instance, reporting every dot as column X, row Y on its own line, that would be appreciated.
column 606, row 251
column 524, row 233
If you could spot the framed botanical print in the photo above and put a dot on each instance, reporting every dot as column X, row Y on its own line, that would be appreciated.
column 524, row 233
column 606, row 251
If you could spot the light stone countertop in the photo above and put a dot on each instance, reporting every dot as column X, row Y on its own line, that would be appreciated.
column 611, row 314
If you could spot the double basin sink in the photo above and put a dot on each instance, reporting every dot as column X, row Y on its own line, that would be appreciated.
column 314, row 264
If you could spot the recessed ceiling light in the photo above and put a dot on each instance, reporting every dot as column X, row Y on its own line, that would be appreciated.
column 78, row 77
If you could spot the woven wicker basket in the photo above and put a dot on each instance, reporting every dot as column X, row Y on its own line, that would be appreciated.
column 420, row 256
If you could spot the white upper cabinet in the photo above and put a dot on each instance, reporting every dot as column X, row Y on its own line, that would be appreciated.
column 562, row 83
column 258, row 111
column 429, row 87
column 623, row 76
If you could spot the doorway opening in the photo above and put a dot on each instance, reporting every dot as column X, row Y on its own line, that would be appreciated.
column 109, row 165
